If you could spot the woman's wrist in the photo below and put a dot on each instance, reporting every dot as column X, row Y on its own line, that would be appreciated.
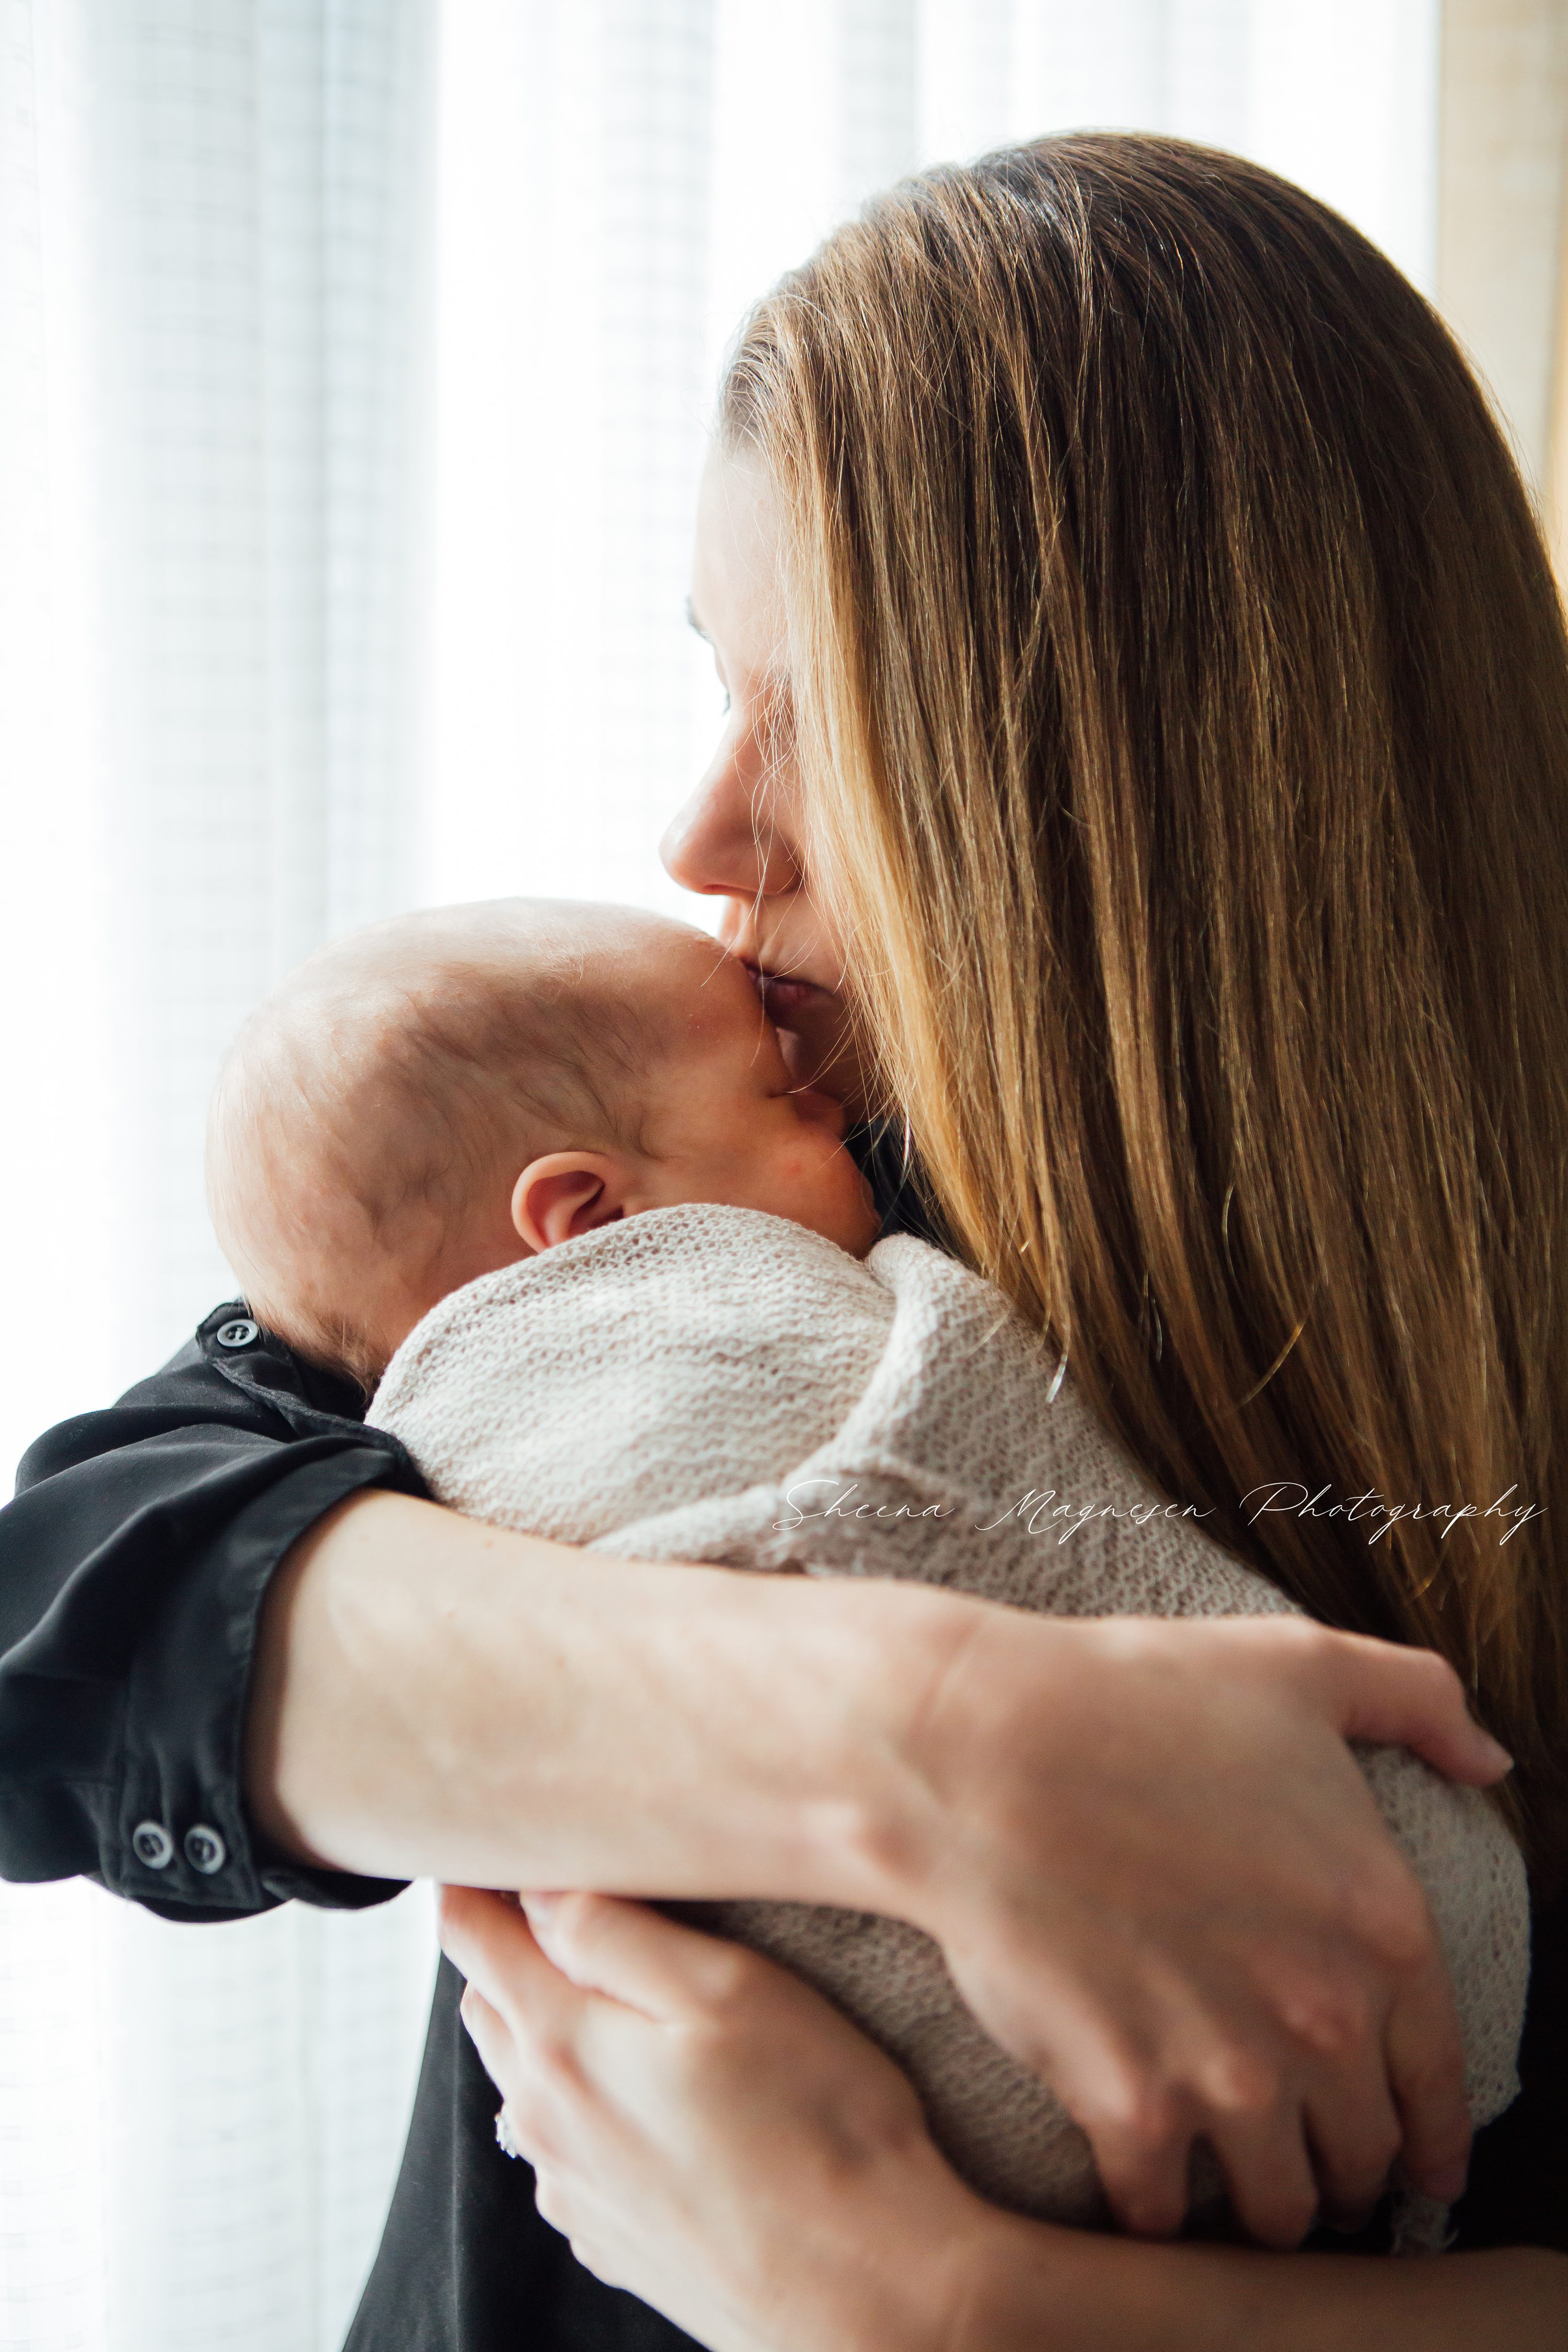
column 1032, row 2286
column 1024, row 2287
column 432, row 1696
column 925, row 2266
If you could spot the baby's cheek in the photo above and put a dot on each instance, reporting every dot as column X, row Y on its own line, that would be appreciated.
column 817, row 1160
column 831, row 1191
column 794, row 1178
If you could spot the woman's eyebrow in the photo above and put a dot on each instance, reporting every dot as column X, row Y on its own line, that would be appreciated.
column 692, row 622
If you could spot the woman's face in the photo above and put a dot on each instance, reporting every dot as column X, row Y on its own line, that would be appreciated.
column 740, row 837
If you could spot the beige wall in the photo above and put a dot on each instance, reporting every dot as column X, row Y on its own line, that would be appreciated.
column 1502, row 195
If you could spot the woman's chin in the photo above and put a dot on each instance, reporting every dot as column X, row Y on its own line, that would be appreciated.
column 814, row 1040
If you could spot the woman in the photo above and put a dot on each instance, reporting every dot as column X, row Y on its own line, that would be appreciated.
column 1150, row 710
column 247, row 1662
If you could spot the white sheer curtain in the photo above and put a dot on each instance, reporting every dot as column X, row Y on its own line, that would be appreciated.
column 618, row 181
column 214, row 314
column 353, row 362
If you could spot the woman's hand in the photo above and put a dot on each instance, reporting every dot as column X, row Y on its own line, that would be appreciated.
column 707, row 2131
column 1153, row 1867
column 711, row 2136
column 1158, row 1878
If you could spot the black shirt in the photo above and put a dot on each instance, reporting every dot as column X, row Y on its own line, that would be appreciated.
column 132, row 1565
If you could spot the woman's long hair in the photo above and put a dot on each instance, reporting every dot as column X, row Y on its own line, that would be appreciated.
column 1182, row 696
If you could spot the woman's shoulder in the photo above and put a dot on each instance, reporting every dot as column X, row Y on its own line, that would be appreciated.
column 231, row 1374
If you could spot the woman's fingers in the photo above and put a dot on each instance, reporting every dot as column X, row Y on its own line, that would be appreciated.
column 1354, row 2140
column 637, row 1957
column 1426, row 2071
column 1284, row 2160
column 528, row 2023
column 1264, row 2156
column 488, row 2031
column 490, row 1942
column 1142, row 2158
column 545, row 1966
column 1396, row 1698
column 1420, row 2049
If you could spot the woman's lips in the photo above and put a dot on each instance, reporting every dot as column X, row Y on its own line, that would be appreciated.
column 783, row 994
column 812, row 1025
column 782, row 997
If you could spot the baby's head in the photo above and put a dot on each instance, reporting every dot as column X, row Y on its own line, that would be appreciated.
column 451, row 1091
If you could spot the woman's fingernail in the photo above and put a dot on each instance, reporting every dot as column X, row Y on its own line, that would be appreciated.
column 1497, row 1755
column 539, row 1909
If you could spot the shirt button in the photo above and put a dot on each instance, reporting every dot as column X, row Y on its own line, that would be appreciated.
column 241, row 1333
column 151, row 1844
column 205, row 1850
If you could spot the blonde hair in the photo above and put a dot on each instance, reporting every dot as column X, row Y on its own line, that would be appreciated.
column 1182, row 697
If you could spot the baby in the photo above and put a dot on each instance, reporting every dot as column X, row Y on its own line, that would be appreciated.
column 540, row 1171
column 454, row 1091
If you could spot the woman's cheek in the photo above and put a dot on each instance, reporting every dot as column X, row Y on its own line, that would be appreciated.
column 817, row 1053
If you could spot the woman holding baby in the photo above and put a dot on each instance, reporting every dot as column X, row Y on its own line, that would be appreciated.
column 1145, row 787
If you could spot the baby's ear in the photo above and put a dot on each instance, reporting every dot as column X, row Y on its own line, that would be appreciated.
column 567, row 1194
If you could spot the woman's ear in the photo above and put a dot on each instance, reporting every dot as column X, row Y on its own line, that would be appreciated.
column 566, row 1194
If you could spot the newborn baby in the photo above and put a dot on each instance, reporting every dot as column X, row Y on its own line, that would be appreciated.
column 540, row 1171
column 453, row 1091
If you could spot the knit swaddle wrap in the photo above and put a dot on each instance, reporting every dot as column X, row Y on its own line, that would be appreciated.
column 713, row 1384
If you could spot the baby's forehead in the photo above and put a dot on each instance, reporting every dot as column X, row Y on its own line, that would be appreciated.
column 690, row 986
column 511, row 945
column 476, row 985
column 660, row 967
column 566, row 943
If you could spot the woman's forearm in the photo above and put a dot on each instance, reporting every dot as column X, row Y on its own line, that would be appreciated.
column 1033, row 2289
column 1036, row 2289
column 434, row 1697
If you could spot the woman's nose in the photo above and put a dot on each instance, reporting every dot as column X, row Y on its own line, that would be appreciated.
column 726, row 839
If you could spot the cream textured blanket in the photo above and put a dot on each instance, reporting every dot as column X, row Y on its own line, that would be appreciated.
column 704, row 1383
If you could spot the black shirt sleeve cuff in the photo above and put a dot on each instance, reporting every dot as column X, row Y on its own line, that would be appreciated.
column 182, row 1842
